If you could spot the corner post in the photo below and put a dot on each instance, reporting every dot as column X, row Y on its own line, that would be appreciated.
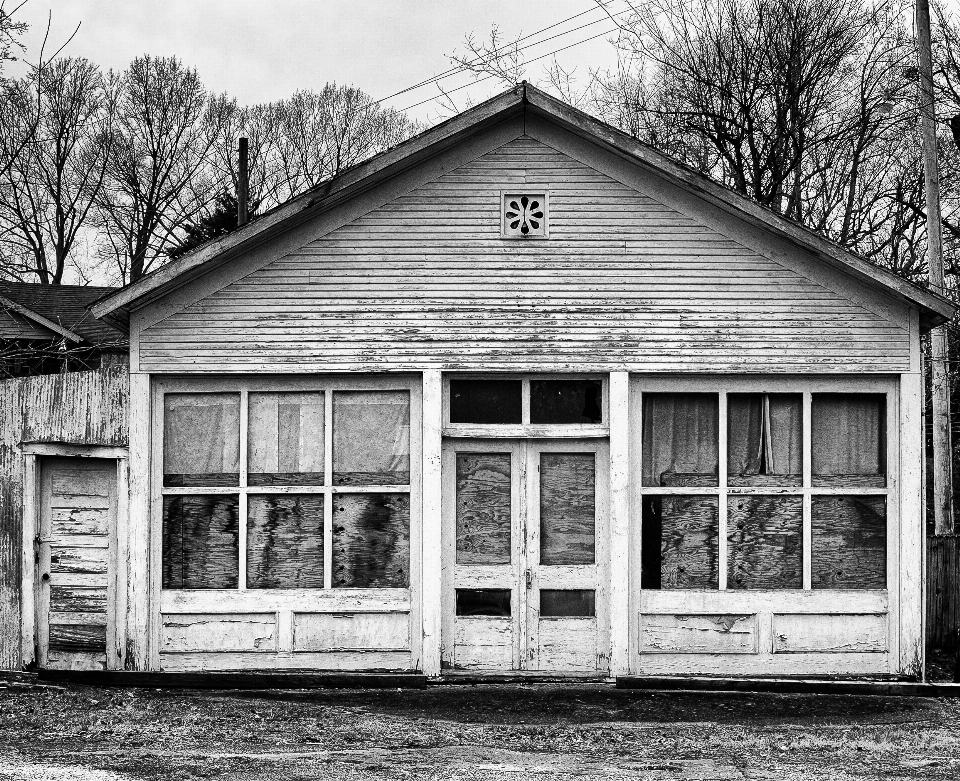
column 139, row 619
column 431, row 559
column 912, row 541
column 619, row 573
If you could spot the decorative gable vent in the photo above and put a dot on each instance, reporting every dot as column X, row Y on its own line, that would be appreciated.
column 524, row 215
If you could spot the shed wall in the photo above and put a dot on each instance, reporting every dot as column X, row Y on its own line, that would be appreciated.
column 623, row 281
column 88, row 408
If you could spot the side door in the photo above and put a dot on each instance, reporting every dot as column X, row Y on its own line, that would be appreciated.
column 77, row 523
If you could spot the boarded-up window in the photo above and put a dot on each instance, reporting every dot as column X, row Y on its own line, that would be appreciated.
column 849, row 542
column 285, row 541
column 764, row 542
column 764, row 439
column 680, row 439
column 201, row 439
column 285, row 439
column 568, row 508
column 371, row 438
column 200, row 542
column 565, row 401
column 679, row 547
column 483, row 508
column 849, row 439
column 371, row 540
column 486, row 401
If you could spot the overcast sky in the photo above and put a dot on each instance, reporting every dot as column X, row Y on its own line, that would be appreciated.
column 262, row 50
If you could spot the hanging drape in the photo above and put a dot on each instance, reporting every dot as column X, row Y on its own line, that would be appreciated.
column 848, row 439
column 764, row 438
column 680, row 439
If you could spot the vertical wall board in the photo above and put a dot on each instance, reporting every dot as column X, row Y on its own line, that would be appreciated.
column 139, row 621
column 910, row 544
column 83, row 408
column 431, row 522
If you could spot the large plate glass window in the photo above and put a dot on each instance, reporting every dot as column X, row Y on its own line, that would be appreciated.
column 733, row 512
column 287, row 489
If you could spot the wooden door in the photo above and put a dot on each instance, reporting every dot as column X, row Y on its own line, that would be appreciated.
column 78, row 510
column 524, row 556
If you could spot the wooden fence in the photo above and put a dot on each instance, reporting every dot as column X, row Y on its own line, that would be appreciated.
column 943, row 591
column 88, row 408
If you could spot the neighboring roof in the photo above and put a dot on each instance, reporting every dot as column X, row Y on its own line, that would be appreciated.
column 62, row 309
column 115, row 306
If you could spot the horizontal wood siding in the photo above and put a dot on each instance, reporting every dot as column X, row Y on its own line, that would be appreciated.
column 623, row 281
column 82, row 408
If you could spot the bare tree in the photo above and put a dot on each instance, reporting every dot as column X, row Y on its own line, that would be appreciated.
column 158, row 177
column 55, row 132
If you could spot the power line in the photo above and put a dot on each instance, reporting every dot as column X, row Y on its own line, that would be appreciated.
column 487, row 78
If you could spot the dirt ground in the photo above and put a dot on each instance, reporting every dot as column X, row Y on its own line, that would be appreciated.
column 470, row 732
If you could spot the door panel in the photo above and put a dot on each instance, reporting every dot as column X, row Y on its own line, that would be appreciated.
column 522, row 518
column 78, row 506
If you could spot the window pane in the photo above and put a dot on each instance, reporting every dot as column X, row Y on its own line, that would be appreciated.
column 201, row 547
column 201, row 439
column 485, row 401
column 565, row 401
column 285, row 541
column 558, row 603
column 764, row 439
column 483, row 508
column 371, row 540
column 680, row 439
column 849, row 439
column 285, row 439
column 680, row 542
column 764, row 542
column 483, row 602
column 567, row 508
column 371, row 438
column 849, row 545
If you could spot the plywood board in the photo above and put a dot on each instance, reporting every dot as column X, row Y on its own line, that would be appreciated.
column 371, row 540
column 285, row 541
column 568, row 500
column 483, row 508
column 764, row 542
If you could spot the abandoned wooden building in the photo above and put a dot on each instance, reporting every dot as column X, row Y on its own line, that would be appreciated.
column 520, row 394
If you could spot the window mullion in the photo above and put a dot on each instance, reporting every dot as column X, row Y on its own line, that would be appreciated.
column 807, row 460
column 242, row 503
column 328, row 495
column 722, row 509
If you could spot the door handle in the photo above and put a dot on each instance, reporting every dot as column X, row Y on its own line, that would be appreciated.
column 529, row 578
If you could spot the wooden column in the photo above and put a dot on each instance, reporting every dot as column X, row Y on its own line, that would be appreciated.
column 135, row 529
column 911, row 542
column 619, row 572
column 430, row 559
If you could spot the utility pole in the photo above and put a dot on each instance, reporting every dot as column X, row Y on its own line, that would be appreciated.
column 940, row 385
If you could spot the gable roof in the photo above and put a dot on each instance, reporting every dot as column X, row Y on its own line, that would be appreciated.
column 62, row 309
column 115, row 306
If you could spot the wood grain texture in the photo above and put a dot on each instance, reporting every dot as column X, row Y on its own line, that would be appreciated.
column 285, row 541
column 371, row 438
column 483, row 508
column 239, row 632
column 764, row 542
column 78, row 599
column 78, row 638
column 483, row 643
column 201, row 439
column 568, row 494
column 285, row 439
column 200, row 542
column 371, row 540
column 567, row 645
column 825, row 633
column 694, row 634
column 849, row 542
column 79, row 408
column 426, row 281
column 688, row 541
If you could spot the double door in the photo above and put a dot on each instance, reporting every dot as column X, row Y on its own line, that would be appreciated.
column 525, row 552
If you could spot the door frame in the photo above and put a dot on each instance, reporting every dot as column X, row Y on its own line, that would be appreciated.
column 33, row 453
column 524, row 503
